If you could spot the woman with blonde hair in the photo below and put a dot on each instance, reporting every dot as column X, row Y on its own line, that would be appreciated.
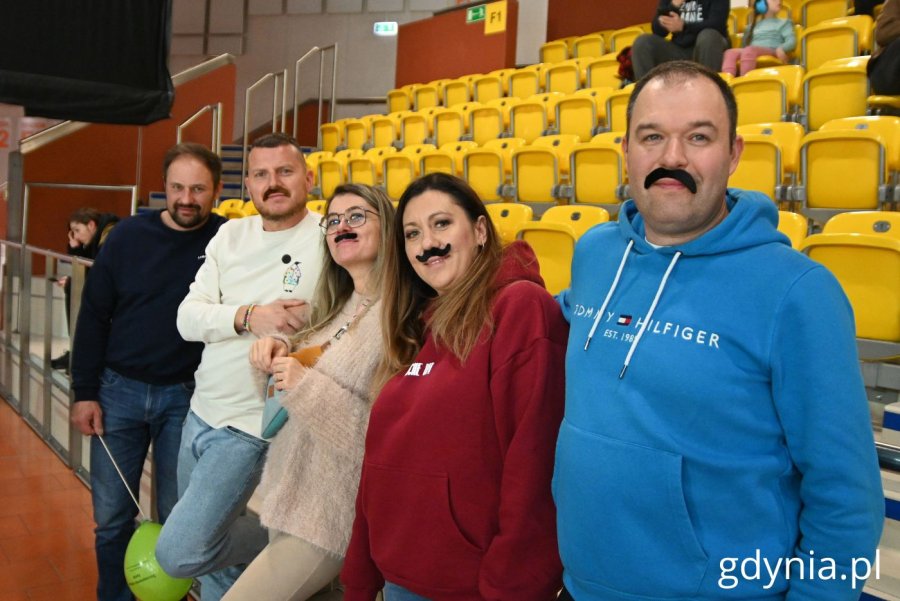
column 454, row 501
column 312, row 470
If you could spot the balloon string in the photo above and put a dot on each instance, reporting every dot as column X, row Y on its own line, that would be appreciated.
column 128, row 488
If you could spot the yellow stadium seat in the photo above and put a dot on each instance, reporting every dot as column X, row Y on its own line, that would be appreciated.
column 361, row 170
column 456, row 91
column 827, row 41
column 415, row 128
column 737, row 19
column 838, row 88
column 597, row 175
column 488, row 87
column 505, row 105
column 564, row 77
column 794, row 226
column 377, row 156
column 508, row 217
column 332, row 136
column 528, row 120
column 843, row 170
column 788, row 136
column 486, row 123
column 760, row 167
column 333, row 171
column 863, row 251
column 811, row 12
column 426, row 96
column 579, row 218
column 489, row 167
column 603, row 72
column 554, row 51
column 398, row 100
column 356, row 133
column 616, row 105
column 525, row 82
column 231, row 204
column 768, row 94
column 399, row 170
column 877, row 104
column 554, row 245
column 622, row 38
column 436, row 161
column 384, row 130
column 577, row 115
column 535, row 175
column 448, row 125
column 591, row 45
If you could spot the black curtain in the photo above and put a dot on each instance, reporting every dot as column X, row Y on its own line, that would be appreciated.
column 102, row 61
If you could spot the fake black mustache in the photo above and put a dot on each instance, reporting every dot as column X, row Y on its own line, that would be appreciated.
column 275, row 190
column 677, row 174
column 345, row 236
column 433, row 252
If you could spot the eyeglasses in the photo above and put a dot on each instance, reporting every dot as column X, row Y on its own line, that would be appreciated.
column 355, row 217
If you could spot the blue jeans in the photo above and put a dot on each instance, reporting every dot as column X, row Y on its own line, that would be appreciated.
column 207, row 534
column 134, row 415
column 395, row 592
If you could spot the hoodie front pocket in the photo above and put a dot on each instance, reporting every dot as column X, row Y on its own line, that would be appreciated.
column 413, row 532
column 622, row 519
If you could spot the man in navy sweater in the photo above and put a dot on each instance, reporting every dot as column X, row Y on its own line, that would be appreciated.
column 132, row 373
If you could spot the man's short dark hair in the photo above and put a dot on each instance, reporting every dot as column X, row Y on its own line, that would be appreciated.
column 677, row 71
column 274, row 140
column 85, row 215
column 198, row 151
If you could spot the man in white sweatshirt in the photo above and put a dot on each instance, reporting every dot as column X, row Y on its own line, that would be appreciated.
column 257, row 274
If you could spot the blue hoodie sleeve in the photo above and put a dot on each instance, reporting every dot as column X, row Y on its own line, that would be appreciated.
column 563, row 299
column 820, row 399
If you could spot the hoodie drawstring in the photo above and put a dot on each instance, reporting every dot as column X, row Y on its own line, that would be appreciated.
column 649, row 315
column 609, row 294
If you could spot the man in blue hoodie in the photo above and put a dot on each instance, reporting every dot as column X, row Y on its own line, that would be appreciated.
column 717, row 442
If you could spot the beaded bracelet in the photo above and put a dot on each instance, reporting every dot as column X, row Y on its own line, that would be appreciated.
column 246, row 323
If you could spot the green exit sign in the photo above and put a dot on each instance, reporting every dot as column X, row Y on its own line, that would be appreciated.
column 475, row 14
column 386, row 28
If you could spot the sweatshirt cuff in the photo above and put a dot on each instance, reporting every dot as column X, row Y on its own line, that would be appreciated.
column 86, row 394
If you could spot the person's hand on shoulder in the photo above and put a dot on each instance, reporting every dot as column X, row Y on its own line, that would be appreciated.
column 87, row 417
column 280, row 316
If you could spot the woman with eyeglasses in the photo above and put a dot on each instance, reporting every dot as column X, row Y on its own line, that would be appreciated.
column 454, row 501
column 325, row 372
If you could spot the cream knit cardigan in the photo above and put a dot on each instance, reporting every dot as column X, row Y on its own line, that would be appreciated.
column 313, row 467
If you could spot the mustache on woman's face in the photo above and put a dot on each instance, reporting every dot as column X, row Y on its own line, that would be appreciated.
column 345, row 236
column 433, row 252
column 677, row 174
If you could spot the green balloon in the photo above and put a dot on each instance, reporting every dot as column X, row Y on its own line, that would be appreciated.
column 144, row 575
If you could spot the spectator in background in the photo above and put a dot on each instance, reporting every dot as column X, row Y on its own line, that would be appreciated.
column 454, row 500
column 699, row 32
column 866, row 7
column 88, row 229
column 132, row 374
column 768, row 35
column 884, row 65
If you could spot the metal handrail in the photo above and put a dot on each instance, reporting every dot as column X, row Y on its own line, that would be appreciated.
column 297, row 64
column 108, row 188
column 333, row 90
column 275, row 77
column 216, row 111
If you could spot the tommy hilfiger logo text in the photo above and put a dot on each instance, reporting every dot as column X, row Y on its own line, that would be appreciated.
column 416, row 369
column 654, row 326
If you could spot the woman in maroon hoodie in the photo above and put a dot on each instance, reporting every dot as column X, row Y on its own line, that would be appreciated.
column 454, row 502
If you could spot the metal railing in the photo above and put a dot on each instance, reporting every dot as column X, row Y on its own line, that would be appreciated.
column 275, row 77
column 215, row 111
column 321, row 52
column 26, row 195
column 40, row 394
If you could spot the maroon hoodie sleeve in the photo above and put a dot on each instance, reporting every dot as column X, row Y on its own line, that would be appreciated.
column 527, row 390
column 360, row 576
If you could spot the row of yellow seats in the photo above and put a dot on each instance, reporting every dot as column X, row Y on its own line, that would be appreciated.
column 849, row 164
column 234, row 208
column 591, row 45
column 838, row 88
